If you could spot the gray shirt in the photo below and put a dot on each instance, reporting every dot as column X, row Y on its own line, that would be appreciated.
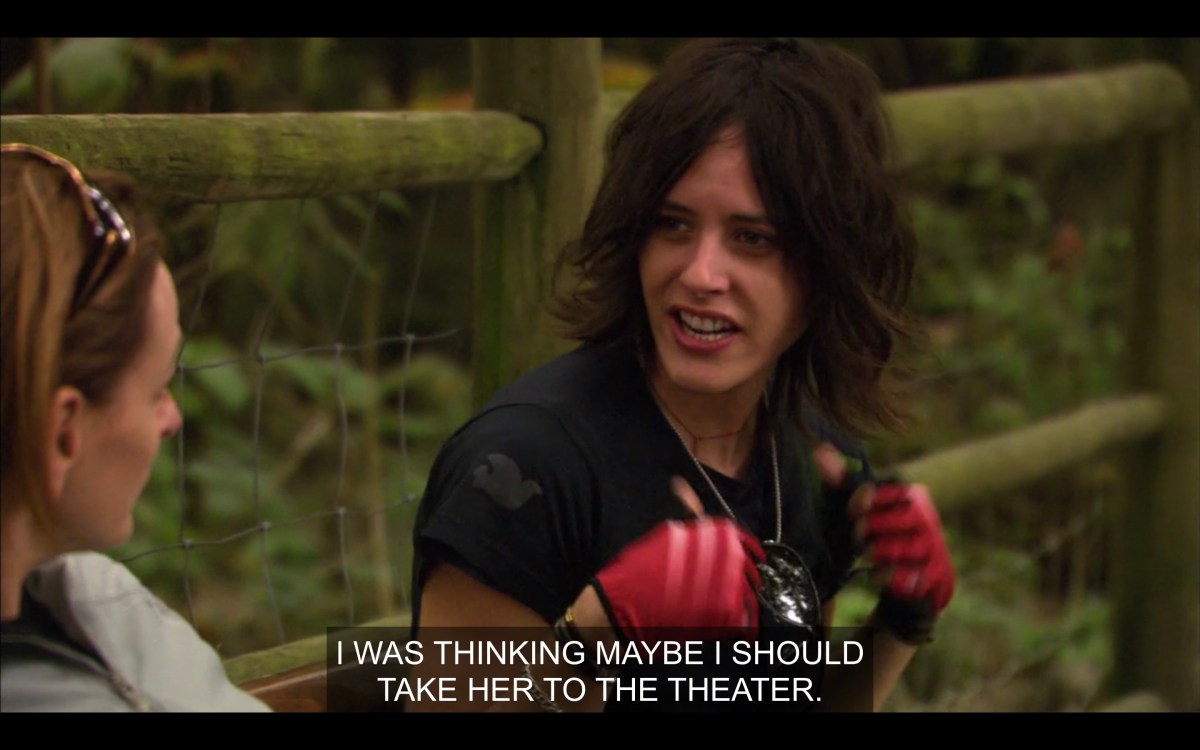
column 124, row 650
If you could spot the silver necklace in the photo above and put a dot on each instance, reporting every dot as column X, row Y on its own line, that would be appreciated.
column 788, row 590
column 712, row 485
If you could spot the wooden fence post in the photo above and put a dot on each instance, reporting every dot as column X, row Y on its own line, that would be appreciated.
column 522, row 223
column 1156, row 572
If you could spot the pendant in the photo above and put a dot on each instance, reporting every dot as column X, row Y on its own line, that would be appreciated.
column 788, row 591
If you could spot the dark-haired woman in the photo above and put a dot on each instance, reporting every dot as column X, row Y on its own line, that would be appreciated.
column 691, row 471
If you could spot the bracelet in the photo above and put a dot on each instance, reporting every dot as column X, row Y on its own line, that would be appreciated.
column 544, row 701
column 564, row 628
column 565, row 632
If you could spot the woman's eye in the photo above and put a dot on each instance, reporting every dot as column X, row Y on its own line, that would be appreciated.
column 164, row 391
column 755, row 239
column 670, row 223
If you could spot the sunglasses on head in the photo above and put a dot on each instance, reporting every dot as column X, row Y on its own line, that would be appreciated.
column 111, row 240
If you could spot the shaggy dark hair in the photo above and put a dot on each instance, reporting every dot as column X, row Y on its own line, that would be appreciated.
column 817, row 137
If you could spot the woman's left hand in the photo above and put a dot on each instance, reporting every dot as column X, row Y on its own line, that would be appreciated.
column 906, row 546
column 901, row 534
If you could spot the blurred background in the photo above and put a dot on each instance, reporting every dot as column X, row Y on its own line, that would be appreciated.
column 1020, row 282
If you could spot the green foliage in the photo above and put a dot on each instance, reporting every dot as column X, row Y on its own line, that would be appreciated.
column 292, row 418
column 1015, row 333
column 288, row 418
column 147, row 74
column 995, row 646
column 293, row 470
column 1023, row 297
column 87, row 75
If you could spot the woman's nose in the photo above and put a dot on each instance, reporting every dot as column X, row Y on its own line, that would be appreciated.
column 172, row 419
column 707, row 269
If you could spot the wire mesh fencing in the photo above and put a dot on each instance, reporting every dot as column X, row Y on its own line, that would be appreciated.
column 315, row 389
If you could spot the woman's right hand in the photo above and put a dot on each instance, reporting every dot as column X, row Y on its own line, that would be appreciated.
column 684, row 580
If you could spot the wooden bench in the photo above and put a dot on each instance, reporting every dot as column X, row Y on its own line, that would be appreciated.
column 293, row 678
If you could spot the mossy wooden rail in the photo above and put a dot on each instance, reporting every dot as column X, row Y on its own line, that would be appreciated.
column 236, row 157
column 534, row 182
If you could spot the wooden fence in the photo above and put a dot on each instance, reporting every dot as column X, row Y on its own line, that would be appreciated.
column 534, row 182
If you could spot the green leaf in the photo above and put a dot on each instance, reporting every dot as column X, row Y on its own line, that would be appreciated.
column 227, row 385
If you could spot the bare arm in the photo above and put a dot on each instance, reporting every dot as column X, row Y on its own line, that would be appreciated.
column 904, row 542
column 453, row 599
column 847, row 686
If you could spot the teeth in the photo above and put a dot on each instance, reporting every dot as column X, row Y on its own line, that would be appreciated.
column 705, row 329
column 704, row 325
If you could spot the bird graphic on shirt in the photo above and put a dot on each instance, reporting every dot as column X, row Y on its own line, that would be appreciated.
column 502, row 482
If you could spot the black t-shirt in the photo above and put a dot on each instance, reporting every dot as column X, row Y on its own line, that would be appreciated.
column 572, row 462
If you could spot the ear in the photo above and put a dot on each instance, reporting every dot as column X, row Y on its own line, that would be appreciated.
column 64, row 436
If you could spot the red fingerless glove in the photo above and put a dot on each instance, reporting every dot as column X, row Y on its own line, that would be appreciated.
column 695, row 578
column 905, row 537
